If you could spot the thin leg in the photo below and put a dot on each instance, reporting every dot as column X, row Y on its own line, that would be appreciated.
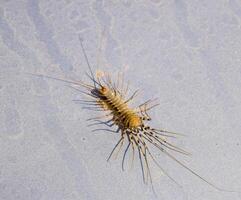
column 123, row 159
column 117, row 144
column 132, row 96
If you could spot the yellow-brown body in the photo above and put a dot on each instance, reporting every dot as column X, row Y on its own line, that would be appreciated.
column 123, row 116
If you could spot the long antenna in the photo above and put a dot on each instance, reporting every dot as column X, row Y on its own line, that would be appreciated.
column 87, row 61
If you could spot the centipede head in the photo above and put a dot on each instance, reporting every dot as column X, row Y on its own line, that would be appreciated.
column 103, row 90
column 99, row 92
